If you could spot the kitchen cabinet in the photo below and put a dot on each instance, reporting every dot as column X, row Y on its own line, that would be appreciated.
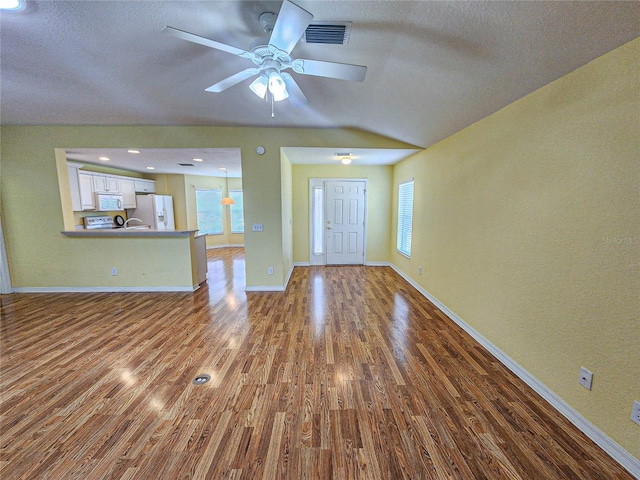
column 145, row 186
column 74, row 186
column 105, row 184
column 200, row 244
column 85, row 187
column 84, row 184
column 128, row 191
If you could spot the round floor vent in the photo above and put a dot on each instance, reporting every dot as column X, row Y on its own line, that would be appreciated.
column 201, row 379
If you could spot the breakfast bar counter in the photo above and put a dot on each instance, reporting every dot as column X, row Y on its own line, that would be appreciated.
column 128, row 232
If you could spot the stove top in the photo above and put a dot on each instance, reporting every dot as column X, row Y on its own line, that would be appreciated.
column 103, row 221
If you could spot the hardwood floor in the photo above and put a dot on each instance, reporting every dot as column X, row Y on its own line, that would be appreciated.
column 350, row 373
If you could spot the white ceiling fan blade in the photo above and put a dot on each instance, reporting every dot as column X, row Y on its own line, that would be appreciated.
column 342, row 71
column 204, row 41
column 295, row 94
column 233, row 80
column 291, row 23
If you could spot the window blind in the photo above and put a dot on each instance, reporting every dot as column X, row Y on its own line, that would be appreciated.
column 405, row 217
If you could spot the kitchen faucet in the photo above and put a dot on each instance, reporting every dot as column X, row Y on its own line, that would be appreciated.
column 129, row 219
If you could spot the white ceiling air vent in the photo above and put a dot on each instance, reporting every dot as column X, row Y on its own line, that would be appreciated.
column 328, row 33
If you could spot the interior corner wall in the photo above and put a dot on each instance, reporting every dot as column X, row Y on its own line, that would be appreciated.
column 175, row 185
column 526, row 226
column 287, row 213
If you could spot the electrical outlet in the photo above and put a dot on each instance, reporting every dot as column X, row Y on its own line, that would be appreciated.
column 586, row 378
column 114, row 271
column 270, row 270
column 635, row 412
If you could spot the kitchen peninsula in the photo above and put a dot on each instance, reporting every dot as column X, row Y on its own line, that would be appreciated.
column 129, row 232
column 133, row 260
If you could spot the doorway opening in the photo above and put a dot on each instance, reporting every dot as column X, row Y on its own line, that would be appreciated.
column 337, row 219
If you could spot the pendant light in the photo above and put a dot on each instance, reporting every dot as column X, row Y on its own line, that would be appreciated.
column 227, row 200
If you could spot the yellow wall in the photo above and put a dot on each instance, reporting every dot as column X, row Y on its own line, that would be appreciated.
column 378, row 206
column 192, row 182
column 286, row 182
column 527, row 227
column 40, row 256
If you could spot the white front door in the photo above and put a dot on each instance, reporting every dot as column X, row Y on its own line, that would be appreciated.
column 345, row 221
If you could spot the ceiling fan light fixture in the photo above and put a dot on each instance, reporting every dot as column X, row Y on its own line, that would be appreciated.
column 227, row 200
column 259, row 86
column 346, row 160
column 13, row 5
column 277, row 87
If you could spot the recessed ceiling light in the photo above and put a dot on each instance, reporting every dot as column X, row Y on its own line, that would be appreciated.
column 223, row 169
column 197, row 159
column 133, row 151
column 10, row 4
column 151, row 168
column 104, row 159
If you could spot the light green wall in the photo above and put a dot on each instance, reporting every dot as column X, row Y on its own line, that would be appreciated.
column 40, row 256
column 379, row 198
column 526, row 225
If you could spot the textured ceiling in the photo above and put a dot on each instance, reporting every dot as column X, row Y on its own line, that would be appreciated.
column 433, row 67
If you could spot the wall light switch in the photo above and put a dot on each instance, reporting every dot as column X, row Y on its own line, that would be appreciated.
column 257, row 227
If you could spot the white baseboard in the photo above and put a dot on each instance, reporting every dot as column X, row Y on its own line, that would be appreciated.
column 211, row 247
column 275, row 288
column 614, row 450
column 367, row 264
column 268, row 288
column 103, row 289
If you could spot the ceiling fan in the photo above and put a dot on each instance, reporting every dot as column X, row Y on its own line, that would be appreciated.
column 271, row 57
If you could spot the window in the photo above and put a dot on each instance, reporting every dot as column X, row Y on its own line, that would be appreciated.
column 318, row 220
column 405, row 217
column 237, row 212
column 209, row 211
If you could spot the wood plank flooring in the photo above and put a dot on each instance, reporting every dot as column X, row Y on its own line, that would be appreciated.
column 348, row 374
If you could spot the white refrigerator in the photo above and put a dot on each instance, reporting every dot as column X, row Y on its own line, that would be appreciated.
column 154, row 210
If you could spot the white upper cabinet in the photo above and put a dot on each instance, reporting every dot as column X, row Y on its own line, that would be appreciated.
column 105, row 184
column 74, row 187
column 87, row 197
column 84, row 185
column 145, row 186
column 128, row 191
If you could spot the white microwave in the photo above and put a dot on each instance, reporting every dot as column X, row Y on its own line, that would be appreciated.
column 109, row 203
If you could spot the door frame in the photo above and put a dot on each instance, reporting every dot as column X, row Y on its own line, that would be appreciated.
column 315, row 181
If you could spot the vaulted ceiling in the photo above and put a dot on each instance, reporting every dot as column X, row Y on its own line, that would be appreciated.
column 433, row 68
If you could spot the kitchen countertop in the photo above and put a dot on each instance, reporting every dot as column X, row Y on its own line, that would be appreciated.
column 121, row 232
